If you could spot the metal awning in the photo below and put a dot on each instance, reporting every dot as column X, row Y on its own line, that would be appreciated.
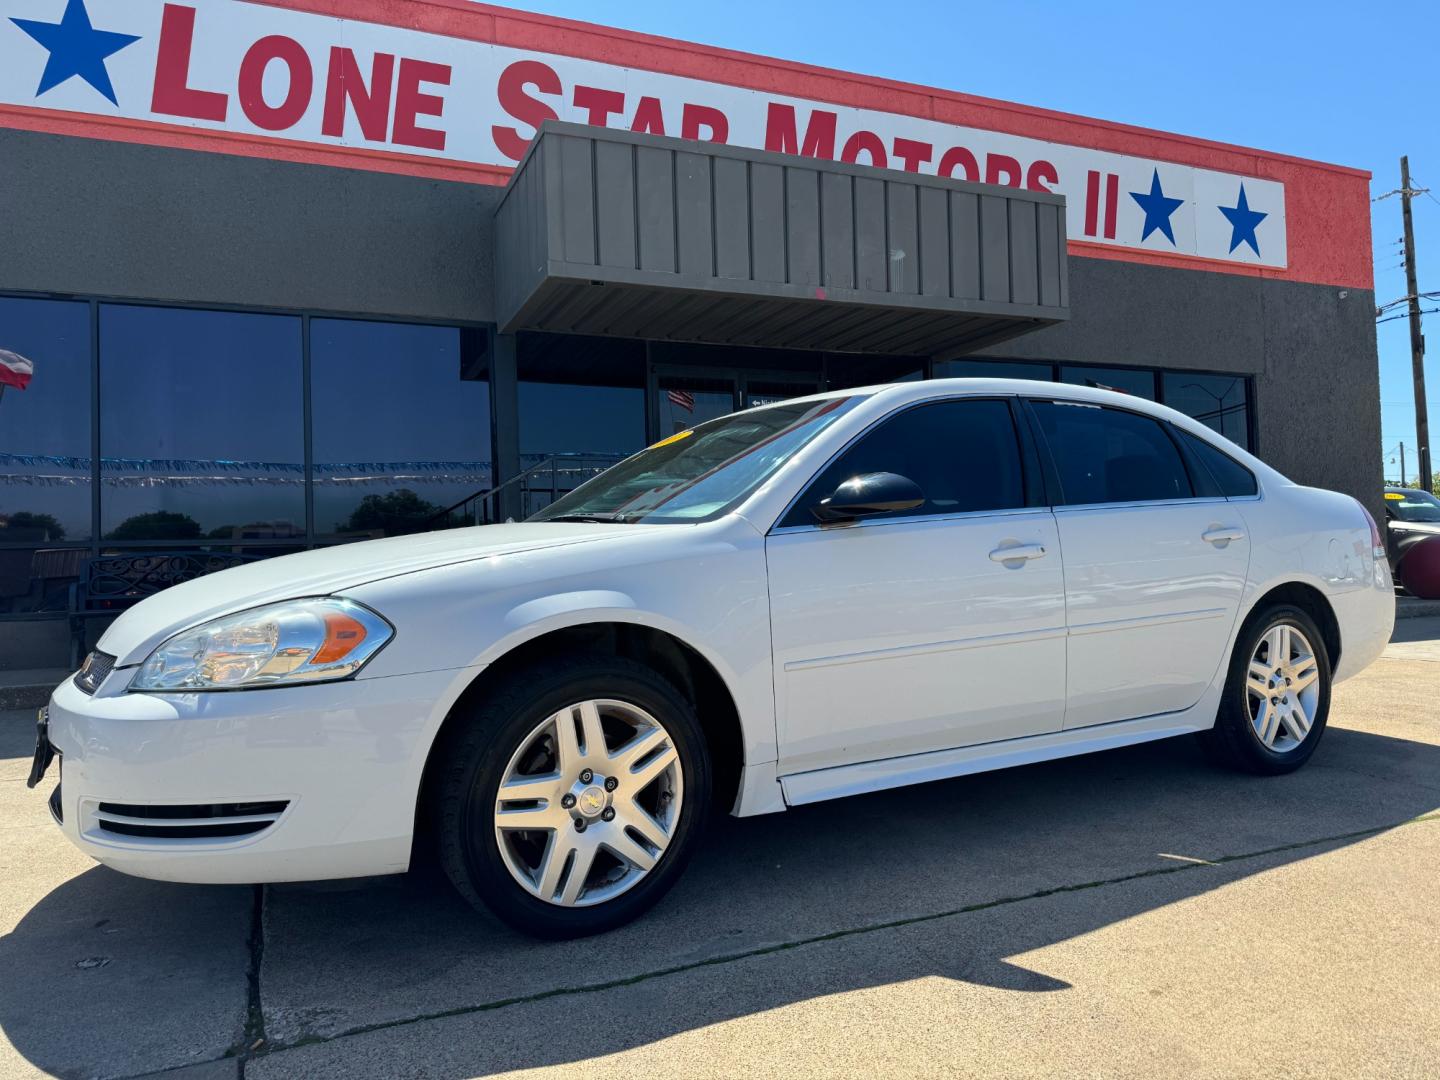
column 642, row 236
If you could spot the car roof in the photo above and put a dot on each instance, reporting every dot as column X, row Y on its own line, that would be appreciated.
column 923, row 389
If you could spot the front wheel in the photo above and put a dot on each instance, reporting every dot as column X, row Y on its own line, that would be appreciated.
column 1277, row 694
column 572, row 798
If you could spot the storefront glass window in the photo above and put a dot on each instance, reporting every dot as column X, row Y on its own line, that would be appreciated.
column 1217, row 401
column 401, row 417
column 994, row 369
column 1125, row 380
column 44, row 421
column 201, row 426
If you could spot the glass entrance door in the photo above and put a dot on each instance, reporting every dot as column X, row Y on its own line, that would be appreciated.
column 684, row 399
column 681, row 397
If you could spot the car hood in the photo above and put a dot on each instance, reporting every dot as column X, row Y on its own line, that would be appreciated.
column 137, row 631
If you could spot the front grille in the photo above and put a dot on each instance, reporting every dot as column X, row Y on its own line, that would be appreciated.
column 200, row 821
column 92, row 673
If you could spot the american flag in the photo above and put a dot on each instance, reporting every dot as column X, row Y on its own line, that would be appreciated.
column 16, row 371
column 682, row 399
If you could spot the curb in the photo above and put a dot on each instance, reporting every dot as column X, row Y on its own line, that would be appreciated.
column 1411, row 607
column 25, row 697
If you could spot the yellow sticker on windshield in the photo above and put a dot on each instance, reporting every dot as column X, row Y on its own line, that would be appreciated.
column 673, row 439
column 1390, row 496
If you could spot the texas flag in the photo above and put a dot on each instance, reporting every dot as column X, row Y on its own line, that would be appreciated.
column 15, row 370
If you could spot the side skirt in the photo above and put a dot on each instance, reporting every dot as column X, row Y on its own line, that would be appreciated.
column 834, row 783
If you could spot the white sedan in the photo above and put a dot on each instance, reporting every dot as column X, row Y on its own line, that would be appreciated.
column 833, row 595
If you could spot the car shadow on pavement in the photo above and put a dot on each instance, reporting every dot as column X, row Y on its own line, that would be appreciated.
column 1107, row 837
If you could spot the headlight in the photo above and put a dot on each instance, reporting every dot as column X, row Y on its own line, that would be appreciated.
column 297, row 641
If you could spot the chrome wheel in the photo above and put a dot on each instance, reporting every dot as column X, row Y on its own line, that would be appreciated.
column 588, row 804
column 1283, row 687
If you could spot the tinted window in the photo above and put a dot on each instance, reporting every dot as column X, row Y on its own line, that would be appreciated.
column 1231, row 478
column 401, row 428
column 1217, row 401
column 993, row 369
column 1125, row 380
column 45, row 422
column 1109, row 455
column 202, row 431
column 963, row 455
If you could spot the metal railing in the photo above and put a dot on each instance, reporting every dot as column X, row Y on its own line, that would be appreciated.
column 538, row 486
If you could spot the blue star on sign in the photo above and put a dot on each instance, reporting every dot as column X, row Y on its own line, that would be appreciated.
column 76, row 48
column 1242, row 223
column 1158, row 207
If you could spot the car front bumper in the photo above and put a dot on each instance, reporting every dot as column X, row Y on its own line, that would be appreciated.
column 287, row 784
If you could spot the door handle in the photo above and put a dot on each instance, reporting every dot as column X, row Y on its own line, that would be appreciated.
column 1018, row 553
column 1222, row 535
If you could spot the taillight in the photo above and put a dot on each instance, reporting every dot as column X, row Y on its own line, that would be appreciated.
column 1377, row 542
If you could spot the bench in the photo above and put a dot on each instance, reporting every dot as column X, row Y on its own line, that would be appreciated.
column 111, row 583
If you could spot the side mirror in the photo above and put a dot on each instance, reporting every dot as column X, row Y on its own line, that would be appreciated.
column 867, row 495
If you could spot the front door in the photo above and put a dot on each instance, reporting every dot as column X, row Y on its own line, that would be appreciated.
column 928, row 629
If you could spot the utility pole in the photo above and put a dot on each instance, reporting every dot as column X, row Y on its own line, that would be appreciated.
column 1417, row 339
column 1402, row 464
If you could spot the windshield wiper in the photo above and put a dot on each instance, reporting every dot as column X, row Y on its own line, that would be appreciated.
column 593, row 519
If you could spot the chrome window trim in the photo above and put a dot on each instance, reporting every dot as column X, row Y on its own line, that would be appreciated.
column 908, row 519
column 1138, row 504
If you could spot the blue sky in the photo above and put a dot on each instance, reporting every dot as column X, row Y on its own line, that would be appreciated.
column 1317, row 79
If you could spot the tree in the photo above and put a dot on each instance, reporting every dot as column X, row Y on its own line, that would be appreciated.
column 157, row 525
column 46, row 525
column 394, row 514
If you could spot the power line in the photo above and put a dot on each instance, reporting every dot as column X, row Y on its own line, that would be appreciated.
column 1406, row 315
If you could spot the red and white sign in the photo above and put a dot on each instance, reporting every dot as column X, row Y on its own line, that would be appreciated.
column 260, row 71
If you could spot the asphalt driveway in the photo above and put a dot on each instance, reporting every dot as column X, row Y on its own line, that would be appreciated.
column 1133, row 913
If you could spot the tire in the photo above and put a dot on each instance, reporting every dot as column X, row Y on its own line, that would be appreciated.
column 499, row 865
column 1245, row 719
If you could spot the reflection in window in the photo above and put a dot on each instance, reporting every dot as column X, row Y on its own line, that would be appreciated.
column 993, row 369
column 202, row 430
column 1125, row 380
column 401, row 425
column 963, row 455
column 562, row 418
column 1217, row 401
column 44, row 425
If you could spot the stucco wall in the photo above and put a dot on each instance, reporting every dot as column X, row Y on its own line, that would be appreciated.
column 114, row 219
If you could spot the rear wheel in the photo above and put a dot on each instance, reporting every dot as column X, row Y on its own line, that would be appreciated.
column 572, row 798
column 1277, row 694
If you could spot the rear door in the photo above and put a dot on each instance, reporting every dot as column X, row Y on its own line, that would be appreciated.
column 924, row 629
column 1154, row 566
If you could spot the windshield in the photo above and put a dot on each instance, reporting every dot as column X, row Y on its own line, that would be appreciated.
column 702, row 472
column 1413, row 506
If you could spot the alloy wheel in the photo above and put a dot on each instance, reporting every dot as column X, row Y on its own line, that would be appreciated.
column 1282, row 687
column 589, row 802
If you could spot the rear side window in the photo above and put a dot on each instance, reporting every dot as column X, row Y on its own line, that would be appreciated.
column 1232, row 479
column 1111, row 456
column 964, row 456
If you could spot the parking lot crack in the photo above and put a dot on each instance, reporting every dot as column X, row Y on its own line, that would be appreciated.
column 252, row 1038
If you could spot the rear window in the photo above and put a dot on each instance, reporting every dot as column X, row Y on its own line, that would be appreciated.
column 1110, row 455
column 1232, row 479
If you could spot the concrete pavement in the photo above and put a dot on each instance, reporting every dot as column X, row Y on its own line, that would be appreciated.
column 1126, row 914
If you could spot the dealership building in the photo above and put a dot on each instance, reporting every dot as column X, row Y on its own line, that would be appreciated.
column 300, row 272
